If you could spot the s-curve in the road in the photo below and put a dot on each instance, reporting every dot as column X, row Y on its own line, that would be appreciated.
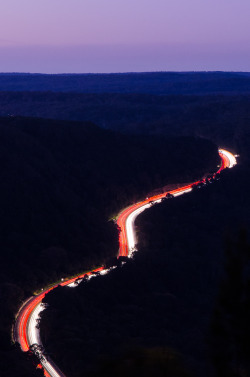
column 127, row 217
column 26, row 330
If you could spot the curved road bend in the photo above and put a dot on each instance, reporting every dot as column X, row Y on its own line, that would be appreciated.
column 26, row 332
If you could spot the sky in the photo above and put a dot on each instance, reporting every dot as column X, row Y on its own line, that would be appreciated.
column 81, row 36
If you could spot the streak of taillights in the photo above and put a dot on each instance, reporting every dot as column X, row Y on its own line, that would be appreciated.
column 28, row 315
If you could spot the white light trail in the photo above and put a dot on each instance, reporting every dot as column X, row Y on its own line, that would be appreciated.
column 230, row 156
column 33, row 336
column 74, row 283
column 183, row 192
column 130, row 231
column 50, row 369
column 33, row 332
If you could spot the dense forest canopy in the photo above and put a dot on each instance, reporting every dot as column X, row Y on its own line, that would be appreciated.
column 151, row 82
column 222, row 119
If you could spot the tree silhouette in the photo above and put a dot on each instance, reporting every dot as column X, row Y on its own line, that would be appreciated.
column 230, row 329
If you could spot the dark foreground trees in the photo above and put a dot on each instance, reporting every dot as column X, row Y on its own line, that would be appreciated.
column 166, row 296
column 61, row 185
column 230, row 327
column 143, row 362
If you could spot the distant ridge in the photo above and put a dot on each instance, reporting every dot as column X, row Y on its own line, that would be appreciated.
column 161, row 83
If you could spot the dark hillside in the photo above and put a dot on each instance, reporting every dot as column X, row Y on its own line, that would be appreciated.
column 60, row 184
column 222, row 119
column 62, row 181
column 165, row 297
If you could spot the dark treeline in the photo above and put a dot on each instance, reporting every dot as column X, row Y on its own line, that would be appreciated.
column 167, row 298
column 151, row 82
column 61, row 183
column 223, row 119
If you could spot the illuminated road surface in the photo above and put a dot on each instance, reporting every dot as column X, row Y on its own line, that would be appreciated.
column 26, row 332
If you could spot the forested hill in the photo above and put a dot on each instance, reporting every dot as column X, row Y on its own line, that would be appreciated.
column 220, row 118
column 60, row 184
column 153, row 83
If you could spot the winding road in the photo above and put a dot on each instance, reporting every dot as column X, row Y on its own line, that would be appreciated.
column 25, row 330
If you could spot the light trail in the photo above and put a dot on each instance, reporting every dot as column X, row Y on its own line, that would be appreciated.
column 33, row 331
column 231, row 158
column 26, row 332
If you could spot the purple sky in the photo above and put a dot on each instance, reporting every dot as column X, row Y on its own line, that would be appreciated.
column 55, row 36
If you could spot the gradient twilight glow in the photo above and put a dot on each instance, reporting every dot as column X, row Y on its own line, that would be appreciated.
column 124, row 35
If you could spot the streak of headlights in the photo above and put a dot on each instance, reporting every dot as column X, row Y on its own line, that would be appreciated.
column 33, row 332
column 130, row 231
column 231, row 158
